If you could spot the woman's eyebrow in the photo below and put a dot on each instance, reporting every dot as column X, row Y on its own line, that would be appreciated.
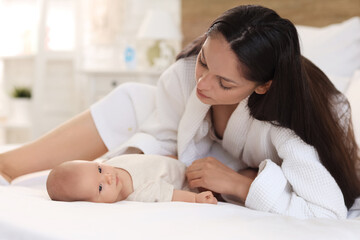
column 224, row 78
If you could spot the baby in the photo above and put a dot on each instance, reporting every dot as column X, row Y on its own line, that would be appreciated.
column 133, row 177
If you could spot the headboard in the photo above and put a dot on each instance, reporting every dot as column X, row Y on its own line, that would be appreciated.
column 197, row 15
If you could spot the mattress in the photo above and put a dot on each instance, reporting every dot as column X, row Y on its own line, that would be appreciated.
column 26, row 212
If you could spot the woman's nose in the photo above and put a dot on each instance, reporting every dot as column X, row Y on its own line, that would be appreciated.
column 204, row 82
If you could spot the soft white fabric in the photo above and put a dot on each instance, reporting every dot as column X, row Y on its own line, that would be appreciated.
column 27, row 213
column 354, row 211
column 353, row 95
column 335, row 48
column 154, row 177
column 128, row 105
column 34, row 180
column 293, row 181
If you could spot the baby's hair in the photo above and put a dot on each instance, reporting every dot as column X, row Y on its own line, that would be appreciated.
column 58, row 180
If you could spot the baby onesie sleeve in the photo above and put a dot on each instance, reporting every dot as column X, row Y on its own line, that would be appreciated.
column 301, row 186
column 153, row 191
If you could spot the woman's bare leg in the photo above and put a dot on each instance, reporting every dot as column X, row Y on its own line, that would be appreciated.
column 76, row 139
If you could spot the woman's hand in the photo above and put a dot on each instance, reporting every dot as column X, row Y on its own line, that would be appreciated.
column 211, row 174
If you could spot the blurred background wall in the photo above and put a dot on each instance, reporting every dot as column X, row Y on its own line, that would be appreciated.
column 71, row 53
column 197, row 15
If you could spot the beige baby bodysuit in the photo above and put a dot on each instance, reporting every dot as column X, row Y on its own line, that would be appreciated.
column 154, row 177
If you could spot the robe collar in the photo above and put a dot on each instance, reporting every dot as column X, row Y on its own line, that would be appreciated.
column 193, row 125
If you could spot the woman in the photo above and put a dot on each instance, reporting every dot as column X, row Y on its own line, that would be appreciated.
column 255, row 102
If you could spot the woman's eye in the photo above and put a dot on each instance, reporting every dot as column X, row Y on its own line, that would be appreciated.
column 201, row 62
column 100, row 188
column 222, row 85
column 99, row 168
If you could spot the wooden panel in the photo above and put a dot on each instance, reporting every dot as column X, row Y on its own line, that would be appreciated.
column 197, row 15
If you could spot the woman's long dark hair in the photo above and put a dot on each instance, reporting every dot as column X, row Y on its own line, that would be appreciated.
column 301, row 97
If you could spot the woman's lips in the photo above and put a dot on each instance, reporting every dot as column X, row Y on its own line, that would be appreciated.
column 201, row 95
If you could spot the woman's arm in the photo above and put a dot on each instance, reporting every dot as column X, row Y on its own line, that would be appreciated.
column 76, row 139
column 211, row 174
column 301, row 186
column 186, row 196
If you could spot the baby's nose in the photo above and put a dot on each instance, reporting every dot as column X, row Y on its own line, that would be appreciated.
column 108, row 178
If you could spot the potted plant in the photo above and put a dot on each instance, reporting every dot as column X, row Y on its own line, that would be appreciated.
column 21, row 92
column 20, row 105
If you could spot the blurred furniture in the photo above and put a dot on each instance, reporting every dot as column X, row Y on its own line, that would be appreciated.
column 46, row 63
column 159, row 28
column 98, row 82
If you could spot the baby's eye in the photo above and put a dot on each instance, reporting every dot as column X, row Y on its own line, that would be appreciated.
column 99, row 168
column 100, row 188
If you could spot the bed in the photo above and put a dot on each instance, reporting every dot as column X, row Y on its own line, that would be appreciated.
column 26, row 212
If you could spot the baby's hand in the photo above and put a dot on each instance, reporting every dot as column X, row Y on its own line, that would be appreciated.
column 206, row 197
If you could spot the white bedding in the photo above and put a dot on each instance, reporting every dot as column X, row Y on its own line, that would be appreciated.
column 34, row 216
column 28, row 213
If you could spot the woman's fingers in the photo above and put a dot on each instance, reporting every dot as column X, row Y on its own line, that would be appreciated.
column 209, row 173
column 194, row 174
column 195, row 183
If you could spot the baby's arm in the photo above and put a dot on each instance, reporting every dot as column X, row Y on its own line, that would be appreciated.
column 186, row 196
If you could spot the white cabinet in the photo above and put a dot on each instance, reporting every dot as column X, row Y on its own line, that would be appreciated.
column 99, row 82
column 48, row 66
column 56, row 63
column 71, row 53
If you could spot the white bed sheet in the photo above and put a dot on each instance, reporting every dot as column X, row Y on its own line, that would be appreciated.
column 28, row 213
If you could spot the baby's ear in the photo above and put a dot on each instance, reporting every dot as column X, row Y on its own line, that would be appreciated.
column 262, row 89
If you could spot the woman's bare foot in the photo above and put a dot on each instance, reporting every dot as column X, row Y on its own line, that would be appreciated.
column 3, row 176
column 4, row 180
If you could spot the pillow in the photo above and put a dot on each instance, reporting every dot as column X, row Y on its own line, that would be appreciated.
column 34, row 180
column 335, row 49
column 353, row 95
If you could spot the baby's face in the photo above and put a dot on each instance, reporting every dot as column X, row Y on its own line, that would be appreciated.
column 96, row 182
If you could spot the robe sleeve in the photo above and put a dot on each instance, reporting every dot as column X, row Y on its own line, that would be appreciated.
column 158, row 133
column 300, row 187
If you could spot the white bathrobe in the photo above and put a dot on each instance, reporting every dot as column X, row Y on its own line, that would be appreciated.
column 291, row 180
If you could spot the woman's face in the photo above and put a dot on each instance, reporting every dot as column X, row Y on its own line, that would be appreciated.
column 219, row 76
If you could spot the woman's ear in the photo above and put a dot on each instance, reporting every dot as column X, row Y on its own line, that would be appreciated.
column 262, row 89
